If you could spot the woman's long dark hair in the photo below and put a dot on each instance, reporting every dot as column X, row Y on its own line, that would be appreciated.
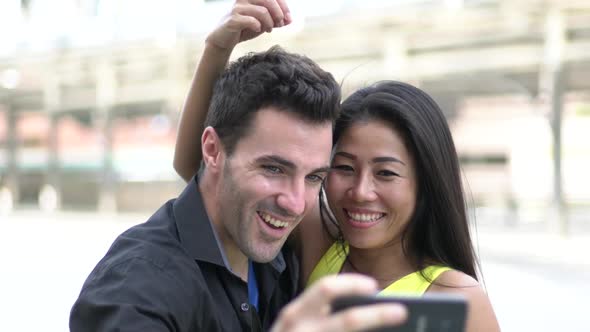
column 438, row 231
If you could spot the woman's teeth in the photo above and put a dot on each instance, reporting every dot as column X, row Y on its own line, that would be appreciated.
column 364, row 217
column 272, row 221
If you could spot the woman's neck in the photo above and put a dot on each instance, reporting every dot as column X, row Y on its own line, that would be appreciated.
column 386, row 265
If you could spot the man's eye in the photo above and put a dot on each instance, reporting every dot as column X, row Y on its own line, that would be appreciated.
column 272, row 169
column 315, row 178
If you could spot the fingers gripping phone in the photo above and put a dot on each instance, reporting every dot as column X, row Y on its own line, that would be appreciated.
column 428, row 313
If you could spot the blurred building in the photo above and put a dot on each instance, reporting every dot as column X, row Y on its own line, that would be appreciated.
column 91, row 90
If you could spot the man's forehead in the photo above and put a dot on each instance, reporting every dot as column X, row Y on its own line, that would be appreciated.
column 294, row 117
column 288, row 140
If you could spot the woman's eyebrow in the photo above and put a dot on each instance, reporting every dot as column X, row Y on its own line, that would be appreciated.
column 387, row 159
column 374, row 160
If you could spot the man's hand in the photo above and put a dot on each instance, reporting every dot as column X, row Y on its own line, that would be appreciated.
column 249, row 19
column 311, row 311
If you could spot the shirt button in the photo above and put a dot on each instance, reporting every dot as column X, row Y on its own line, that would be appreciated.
column 245, row 307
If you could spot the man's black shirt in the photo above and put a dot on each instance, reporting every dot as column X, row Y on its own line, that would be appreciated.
column 169, row 274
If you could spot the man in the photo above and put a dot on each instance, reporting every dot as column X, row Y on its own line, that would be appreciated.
column 213, row 259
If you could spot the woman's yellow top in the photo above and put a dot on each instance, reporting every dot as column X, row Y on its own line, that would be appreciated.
column 413, row 283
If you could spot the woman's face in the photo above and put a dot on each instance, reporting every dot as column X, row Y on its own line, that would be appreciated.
column 372, row 186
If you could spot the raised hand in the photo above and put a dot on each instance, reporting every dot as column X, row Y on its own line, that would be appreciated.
column 248, row 19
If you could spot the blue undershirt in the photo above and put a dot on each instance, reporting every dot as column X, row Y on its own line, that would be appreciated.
column 252, row 286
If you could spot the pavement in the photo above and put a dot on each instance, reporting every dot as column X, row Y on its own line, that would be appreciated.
column 536, row 248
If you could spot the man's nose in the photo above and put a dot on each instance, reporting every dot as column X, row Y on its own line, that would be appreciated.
column 292, row 200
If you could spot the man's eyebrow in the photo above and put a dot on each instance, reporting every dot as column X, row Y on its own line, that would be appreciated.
column 287, row 163
column 375, row 160
column 276, row 159
column 324, row 169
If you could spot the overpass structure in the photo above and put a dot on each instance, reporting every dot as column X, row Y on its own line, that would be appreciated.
column 455, row 50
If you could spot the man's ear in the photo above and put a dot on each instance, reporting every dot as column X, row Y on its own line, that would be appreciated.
column 212, row 150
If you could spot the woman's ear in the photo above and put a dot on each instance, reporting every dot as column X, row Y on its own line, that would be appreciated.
column 212, row 150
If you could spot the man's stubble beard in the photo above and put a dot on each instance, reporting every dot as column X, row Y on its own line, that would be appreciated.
column 237, row 221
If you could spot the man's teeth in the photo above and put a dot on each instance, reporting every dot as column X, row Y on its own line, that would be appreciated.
column 364, row 217
column 270, row 220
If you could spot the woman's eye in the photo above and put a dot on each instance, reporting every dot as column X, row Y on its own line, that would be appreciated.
column 343, row 168
column 272, row 169
column 387, row 173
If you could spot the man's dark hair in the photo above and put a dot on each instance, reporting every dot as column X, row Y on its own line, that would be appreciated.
column 287, row 81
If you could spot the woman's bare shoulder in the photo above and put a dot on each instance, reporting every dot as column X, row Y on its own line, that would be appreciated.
column 454, row 279
column 481, row 316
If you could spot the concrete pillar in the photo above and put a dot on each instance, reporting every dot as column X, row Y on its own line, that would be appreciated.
column 177, row 64
column 11, row 182
column 560, row 208
column 107, row 198
column 106, row 86
column 49, row 199
column 50, row 193
column 552, row 85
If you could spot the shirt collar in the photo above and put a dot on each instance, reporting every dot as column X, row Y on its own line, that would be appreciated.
column 196, row 231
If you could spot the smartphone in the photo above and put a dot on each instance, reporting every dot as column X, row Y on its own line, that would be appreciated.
column 434, row 312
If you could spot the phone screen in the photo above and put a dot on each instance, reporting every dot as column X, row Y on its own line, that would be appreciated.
column 429, row 313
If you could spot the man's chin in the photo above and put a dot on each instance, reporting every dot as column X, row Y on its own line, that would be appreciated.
column 264, row 257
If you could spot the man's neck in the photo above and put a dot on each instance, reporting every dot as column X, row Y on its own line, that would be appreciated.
column 238, row 262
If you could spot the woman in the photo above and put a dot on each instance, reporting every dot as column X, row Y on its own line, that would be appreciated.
column 396, row 206
column 395, row 187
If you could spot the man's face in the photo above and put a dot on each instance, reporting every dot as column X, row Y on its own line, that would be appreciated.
column 271, row 180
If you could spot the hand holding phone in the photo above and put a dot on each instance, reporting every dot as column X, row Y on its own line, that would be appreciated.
column 434, row 312
column 307, row 313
